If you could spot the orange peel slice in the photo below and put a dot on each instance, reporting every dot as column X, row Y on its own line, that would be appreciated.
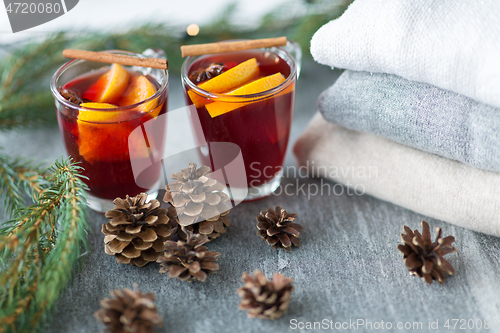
column 104, row 135
column 260, row 85
column 234, row 77
column 138, row 90
column 110, row 86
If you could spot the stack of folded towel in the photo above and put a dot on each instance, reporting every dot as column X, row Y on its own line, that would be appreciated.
column 419, row 103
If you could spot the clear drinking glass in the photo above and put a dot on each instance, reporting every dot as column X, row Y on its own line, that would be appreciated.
column 258, row 123
column 109, row 142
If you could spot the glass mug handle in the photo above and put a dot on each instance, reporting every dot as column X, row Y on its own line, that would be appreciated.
column 295, row 50
column 152, row 53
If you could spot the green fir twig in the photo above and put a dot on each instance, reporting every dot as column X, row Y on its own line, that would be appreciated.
column 40, row 248
column 19, row 176
column 9, row 187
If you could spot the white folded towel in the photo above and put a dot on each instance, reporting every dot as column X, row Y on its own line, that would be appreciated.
column 425, row 183
column 454, row 45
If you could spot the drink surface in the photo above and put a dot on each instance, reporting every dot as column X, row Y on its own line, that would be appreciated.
column 269, row 62
column 260, row 128
column 101, row 143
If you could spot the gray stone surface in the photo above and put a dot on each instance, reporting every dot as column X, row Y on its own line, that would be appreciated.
column 347, row 269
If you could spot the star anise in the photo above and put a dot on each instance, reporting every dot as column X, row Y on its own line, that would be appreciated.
column 71, row 95
column 204, row 74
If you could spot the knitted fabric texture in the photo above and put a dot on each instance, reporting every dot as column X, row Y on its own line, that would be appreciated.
column 425, row 183
column 454, row 45
column 416, row 114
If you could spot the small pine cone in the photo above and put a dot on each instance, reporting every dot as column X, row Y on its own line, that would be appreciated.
column 137, row 230
column 212, row 229
column 263, row 298
column 198, row 201
column 423, row 257
column 190, row 260
column 278, row 229
column 130, row 311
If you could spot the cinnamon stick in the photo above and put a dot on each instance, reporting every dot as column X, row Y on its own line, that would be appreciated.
column 223, row 47
column 112, row 58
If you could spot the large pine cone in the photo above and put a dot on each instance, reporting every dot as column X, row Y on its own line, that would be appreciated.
column 130, row 311
column 423, row 257
column 200, row 205
column 190, row 260
column 263, row 298
column 278, row 229
column 137, row 230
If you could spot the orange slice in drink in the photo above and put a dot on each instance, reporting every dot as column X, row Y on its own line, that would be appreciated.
column 138, row 90
column 269, row 82
column 109, row 87
column 104, row 135
column 228, row 80
column 98, row 116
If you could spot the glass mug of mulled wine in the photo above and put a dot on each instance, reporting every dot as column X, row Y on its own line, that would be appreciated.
column 245, row 98
column 104, row 112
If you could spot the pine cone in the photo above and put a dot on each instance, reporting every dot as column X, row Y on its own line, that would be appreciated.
column 424, row 258
column 277, row 228
column 130, row 311
column 137, row 230
column 263, row 298
column 199, row 203
column 190, row 260
column 212, row 229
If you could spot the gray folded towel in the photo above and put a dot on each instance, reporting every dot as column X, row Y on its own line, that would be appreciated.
column 416, row 114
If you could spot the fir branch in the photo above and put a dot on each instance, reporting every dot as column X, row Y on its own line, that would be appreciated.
column 8, row 186
column 19, row 176
column 25, row 98
column 32, row 178
column 45, row 243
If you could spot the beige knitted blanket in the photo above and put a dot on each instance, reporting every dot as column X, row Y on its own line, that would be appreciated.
column 425, row 183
